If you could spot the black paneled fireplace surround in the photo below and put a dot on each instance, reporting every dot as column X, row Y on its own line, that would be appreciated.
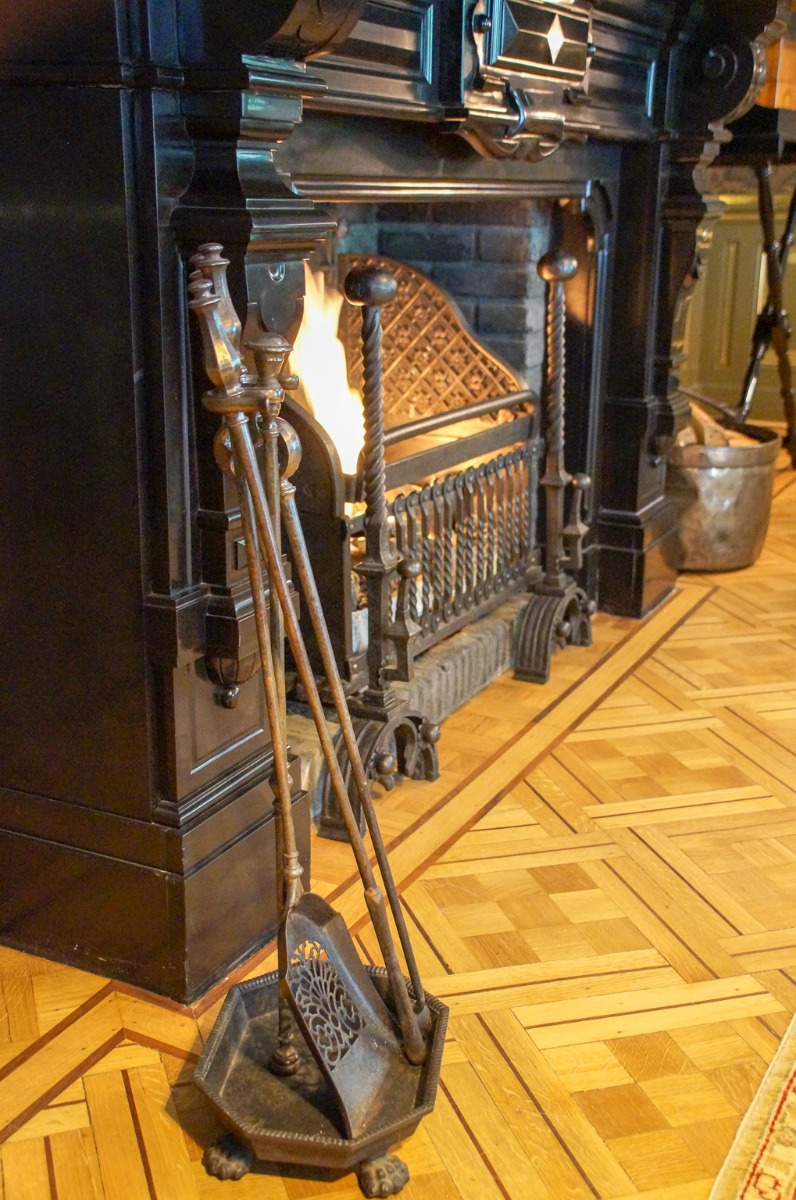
column 458, row 141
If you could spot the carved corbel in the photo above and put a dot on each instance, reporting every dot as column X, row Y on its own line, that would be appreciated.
column 720, row 66
column 302, row 29
column 716, row 71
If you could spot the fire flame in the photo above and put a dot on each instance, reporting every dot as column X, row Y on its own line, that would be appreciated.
column 318, row 359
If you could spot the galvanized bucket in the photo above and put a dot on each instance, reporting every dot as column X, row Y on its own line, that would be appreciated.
column 723, row 498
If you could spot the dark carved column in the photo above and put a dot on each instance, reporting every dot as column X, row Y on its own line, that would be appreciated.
column 136, row 826
column 709, row 74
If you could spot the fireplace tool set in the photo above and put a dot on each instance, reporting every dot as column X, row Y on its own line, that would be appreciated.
column 324, row 1063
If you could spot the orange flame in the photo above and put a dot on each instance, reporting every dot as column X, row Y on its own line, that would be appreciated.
column 318, row 359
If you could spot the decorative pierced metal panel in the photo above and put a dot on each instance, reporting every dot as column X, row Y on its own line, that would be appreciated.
column 326, row 1006
column 432, row 363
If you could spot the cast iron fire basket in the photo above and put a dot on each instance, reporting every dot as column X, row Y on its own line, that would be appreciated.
column 440, row 521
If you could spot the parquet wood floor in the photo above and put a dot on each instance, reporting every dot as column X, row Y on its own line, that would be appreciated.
column 601, row 885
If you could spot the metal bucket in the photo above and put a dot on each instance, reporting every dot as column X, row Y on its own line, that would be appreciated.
column 723, row 498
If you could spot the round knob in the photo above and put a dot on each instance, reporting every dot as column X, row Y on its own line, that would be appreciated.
column 371, row 286
column 556, row 265
column 386, row 765
column 430, row 732
column 272, row 344
column 563, row 630
column 209, row 253
column 720, row 63
column 409, row 568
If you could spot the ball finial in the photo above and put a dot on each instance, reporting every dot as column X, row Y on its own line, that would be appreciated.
column 371, row 286
column 557, row 265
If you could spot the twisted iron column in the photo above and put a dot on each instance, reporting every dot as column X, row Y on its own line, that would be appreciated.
column 370, row 288
column 555, row 268
column 559, row 612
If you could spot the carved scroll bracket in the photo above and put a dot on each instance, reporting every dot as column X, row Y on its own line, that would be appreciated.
column 719, row 69
column 302, row 29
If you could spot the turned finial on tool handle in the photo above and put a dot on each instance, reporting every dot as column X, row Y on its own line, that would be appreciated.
column 221, row 360
column 370, row 286
column 556, row 266
column 210, row 263
column 270, row 351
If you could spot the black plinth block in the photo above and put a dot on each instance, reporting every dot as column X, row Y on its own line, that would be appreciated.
column 171, row 912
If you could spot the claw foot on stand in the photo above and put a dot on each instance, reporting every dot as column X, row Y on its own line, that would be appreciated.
column 382, row 1176
column 230, row 1159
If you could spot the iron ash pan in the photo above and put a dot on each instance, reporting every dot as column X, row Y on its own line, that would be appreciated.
column 293, row 1119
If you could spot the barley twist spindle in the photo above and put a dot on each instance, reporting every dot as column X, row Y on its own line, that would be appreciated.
column 555, row 268
column 501, row 499
column 370, row 288
column 373, row 403
column 516, row 526
column 470, row 528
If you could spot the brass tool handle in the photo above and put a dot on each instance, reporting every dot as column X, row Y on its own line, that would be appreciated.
column 234, row 449
column 222, row 361
column 209, row 263
column 243, row 451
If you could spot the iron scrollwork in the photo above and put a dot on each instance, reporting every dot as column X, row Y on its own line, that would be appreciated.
column 403, row 747
column 330, row 1012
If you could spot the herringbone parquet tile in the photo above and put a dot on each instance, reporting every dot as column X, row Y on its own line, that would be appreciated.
column 601, row 885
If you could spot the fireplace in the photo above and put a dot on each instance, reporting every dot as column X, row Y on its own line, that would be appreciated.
column 434, row 527
column 461, row 450
column 134, row 812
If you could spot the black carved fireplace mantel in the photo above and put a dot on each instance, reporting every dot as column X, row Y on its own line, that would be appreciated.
column 135, row 828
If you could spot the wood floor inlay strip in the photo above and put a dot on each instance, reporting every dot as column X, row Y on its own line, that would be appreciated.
column 35, row 1080
column 466, row 804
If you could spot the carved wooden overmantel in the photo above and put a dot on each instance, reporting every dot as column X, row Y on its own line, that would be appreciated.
column 135, row 828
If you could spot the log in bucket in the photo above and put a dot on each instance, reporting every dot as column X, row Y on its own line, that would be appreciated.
column 723, row 498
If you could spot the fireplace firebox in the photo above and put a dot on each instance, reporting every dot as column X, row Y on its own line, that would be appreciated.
column 134, row 795
column 439, row 520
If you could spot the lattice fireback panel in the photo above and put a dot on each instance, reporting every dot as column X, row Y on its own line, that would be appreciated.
column 432, row 363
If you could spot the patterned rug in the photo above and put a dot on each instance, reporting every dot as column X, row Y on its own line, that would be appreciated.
column 761, row 1164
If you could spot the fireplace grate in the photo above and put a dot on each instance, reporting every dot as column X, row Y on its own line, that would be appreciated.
column 431, row 362
column 450, row 475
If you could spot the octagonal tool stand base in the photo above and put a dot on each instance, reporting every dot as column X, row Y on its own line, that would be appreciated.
column 293, row 1119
